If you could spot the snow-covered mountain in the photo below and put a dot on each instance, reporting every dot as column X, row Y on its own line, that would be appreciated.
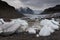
column 25, row 10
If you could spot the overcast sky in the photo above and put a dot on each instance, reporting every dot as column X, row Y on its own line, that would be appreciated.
column 33, row 4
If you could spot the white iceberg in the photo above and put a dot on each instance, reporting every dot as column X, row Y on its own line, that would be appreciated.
column 49, row 27
column 44, row 31
column 11, row 27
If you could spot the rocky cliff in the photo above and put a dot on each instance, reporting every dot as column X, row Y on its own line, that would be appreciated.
column 8, row 12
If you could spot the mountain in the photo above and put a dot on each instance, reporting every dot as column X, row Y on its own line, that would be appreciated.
column 52, row 10
column 26, row 10
column 8, row 12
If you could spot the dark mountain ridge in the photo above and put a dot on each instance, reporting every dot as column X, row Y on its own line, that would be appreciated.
column 8, row 12
column 52, row 10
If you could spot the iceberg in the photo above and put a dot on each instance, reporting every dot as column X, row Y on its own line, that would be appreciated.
column 44, row 31
column 11, row 27
column 49, row 27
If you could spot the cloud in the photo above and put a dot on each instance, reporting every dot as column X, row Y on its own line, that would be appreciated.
column 41, row 4
column 15, row 3
column 34, row 4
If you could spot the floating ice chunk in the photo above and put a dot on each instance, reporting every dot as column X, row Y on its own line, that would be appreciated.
column 45, row 31
column 31, row 30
